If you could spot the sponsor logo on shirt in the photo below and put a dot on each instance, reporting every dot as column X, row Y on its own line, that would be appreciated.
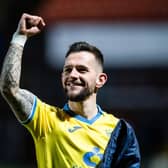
column 93, row 157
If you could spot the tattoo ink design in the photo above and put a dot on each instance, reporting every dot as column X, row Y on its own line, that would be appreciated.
column 20, row 100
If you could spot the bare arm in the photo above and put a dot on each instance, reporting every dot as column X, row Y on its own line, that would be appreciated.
column 20, row 100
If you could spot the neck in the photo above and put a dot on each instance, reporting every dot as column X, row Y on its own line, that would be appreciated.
column 86, row 108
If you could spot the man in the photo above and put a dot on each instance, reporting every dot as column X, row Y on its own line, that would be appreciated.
column 76, row 135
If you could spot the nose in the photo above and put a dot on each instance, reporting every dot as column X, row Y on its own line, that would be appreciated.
column 74, row 73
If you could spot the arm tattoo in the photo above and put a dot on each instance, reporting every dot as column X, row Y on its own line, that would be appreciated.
column 10, row 76
column 21, row 101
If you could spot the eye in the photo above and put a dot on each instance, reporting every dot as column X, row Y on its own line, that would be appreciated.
column 82, row 69
column 67, row 70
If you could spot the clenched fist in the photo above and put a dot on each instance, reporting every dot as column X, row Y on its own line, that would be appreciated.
column 30, row 25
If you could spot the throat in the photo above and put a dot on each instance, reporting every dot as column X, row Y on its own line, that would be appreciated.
column 86, row 111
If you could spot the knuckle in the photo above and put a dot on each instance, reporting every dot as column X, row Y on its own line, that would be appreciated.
column 24, row 15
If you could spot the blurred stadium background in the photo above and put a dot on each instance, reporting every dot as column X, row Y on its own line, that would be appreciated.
column 133, row 35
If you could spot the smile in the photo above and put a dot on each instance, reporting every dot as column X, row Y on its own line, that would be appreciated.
column 74, row 84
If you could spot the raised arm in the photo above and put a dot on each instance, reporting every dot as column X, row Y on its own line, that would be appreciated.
column 20, row 100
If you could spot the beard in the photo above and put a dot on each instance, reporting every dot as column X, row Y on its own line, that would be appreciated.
column 83, row 94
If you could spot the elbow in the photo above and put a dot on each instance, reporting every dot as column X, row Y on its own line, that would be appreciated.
column 2, row 88
column 7, row 94
column 6, row 90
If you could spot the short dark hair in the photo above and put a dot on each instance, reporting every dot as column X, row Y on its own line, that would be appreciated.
column 84, row 46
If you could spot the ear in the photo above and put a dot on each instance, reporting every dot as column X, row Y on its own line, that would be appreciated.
column 101, row 80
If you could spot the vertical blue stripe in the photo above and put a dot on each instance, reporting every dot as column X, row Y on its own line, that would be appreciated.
column 32, row 112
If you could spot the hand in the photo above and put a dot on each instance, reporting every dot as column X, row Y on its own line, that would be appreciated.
column 30, row 25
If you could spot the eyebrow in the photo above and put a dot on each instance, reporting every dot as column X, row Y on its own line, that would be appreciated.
column 77, row 66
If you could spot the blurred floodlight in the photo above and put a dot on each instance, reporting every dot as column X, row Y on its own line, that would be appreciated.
column 123, row 45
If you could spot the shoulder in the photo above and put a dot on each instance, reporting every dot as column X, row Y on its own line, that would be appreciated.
column 122, row 147
column 124, row 129
column 45, row 106
column 109, row 116
column 43, row 111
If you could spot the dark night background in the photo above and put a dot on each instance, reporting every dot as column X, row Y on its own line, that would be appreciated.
column 139, row 94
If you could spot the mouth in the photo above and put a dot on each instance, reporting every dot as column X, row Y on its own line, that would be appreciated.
column 74, row 83
column 71, row 84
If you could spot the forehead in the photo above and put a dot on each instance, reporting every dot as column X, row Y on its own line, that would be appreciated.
column 80, row 58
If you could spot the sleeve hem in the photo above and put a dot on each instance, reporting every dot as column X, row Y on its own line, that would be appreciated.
column 30, row 117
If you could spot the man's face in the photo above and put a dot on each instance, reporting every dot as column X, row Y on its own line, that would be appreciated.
column 79, row 76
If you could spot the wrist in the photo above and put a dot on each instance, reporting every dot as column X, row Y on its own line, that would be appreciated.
column 19, row 39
